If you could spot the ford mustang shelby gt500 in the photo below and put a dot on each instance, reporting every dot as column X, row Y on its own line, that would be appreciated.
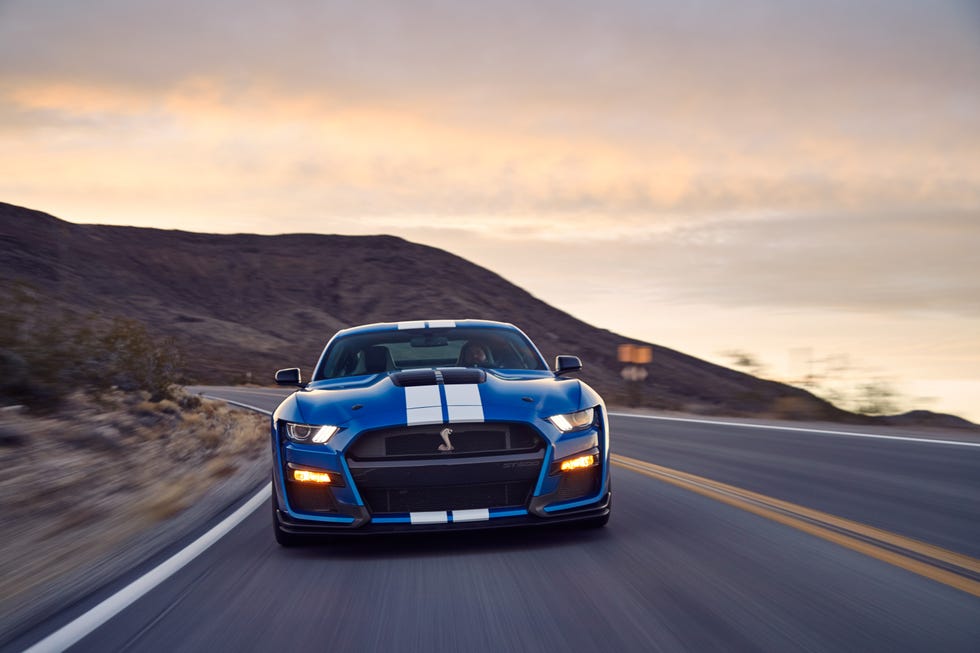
column 435, row 425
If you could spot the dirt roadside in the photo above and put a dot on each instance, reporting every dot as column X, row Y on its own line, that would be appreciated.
column 90, row 492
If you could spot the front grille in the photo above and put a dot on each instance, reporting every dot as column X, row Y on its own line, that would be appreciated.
column 455, row 497
column 492, row 465
column 491, row 438
column 310, row 498
column 578, row 484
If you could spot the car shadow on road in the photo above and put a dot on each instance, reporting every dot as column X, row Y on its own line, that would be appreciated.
column 422, row 545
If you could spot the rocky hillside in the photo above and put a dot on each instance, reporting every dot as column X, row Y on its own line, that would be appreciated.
column 241, row 306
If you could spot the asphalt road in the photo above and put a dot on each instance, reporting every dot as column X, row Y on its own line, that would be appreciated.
column 673, row 571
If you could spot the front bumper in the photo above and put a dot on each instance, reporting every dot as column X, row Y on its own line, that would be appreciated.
column 478, row 491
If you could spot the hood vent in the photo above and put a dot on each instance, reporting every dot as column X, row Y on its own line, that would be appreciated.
column 453, row 375
column 413, row 377
column 447, row 376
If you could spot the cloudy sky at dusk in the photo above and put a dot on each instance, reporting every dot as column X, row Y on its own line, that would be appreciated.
column 796, row 179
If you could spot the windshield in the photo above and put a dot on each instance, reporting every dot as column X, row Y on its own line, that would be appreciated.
column 391, row 351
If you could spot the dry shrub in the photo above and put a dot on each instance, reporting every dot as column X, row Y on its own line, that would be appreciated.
column 172, row 499
column 220, row 468
column 193, row 421
column 168, row 407
column 211, row 408
column 188, row 401
column 45, row 353
column 162, row 407
column 795, row 408
column 247, row 434
column 145, row 408
column 210, row 438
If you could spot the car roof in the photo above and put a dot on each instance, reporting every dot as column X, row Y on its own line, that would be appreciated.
column 425, row 324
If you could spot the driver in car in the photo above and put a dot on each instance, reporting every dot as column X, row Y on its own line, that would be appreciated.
column 474, row 354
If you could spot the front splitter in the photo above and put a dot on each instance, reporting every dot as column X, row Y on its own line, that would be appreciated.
column 586, row 513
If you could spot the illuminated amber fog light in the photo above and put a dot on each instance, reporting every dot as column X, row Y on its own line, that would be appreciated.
column 307, row 476
column 581, row 462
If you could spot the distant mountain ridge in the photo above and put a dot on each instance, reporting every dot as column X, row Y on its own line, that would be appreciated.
column 241, row 306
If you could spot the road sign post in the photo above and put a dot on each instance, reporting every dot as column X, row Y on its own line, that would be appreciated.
column 634, row 372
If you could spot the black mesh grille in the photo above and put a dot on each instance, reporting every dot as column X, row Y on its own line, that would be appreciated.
column 467, row 439
column 491, row 465
column 457, row 497
column 578, row 484
column 310, row 498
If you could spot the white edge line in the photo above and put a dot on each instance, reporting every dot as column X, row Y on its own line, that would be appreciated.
column 74, row 631
column 269, row 393
column 238, row 403
column 798, row 429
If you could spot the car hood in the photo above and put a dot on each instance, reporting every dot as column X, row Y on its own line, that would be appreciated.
column 378, row 401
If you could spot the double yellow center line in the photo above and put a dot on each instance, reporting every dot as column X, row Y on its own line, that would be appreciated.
column 953, row 569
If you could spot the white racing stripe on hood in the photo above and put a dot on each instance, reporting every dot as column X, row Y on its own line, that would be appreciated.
column 464, row 403
column 442, row 324
column 423, row 405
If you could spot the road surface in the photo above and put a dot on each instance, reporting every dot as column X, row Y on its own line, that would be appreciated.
column 723, row 538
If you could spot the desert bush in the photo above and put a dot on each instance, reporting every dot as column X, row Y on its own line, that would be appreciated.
column 133, row 360
column 832, row 378
column 796, row 408
column 46, row 353
column 189, row 401
column 876, row 397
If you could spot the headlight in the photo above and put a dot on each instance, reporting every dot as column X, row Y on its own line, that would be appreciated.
column 573, row 421
column 309, row 432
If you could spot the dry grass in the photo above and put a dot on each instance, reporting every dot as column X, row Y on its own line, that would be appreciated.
column 82, row 482
column 793, row 408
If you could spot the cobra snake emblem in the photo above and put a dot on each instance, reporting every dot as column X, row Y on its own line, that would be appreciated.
column 447, row 445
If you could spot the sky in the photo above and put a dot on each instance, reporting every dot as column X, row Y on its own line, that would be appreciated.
column 799, row 180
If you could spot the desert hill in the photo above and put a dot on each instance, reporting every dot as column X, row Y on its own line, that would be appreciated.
column 241, row 306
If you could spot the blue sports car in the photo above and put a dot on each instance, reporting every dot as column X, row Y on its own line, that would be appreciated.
column 437, row 425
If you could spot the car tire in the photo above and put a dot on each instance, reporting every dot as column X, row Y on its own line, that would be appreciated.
column 283, row 538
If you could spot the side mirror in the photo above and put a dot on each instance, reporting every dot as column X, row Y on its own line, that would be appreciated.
column 566, row 364
column 289, row 376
